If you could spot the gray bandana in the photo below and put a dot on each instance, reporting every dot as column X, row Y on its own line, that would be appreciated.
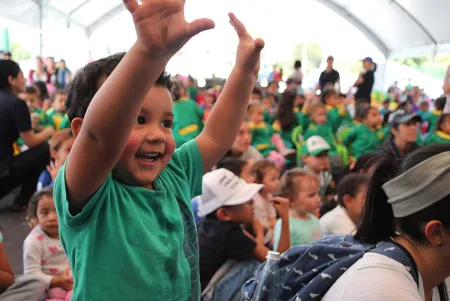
column 419, row 187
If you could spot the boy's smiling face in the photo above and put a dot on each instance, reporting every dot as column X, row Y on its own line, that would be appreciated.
column 151, row 143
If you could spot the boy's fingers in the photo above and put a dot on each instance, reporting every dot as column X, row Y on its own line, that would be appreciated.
column 131, row 5
column 198, row 26
column 238, row 25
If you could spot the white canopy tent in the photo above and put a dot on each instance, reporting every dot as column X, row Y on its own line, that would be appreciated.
column 395, row 27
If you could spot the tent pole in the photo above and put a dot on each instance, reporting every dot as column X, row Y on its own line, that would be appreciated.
column 41, row 18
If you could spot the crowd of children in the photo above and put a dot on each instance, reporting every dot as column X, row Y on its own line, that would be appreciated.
column 131, row 154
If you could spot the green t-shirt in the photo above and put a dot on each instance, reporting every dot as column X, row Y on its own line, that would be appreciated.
column 432, row 119
column 44, row 120
column 302, row 231
column 65, row 123
column 132, row 243
column 188, row 121
column 437, row 137
column 337, row 117
column 324, row 131
column 262, row 137
column 363, row 140
column 55, row 119
column 268, row 118
column 303, row 120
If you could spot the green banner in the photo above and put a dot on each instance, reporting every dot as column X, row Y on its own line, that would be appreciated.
column 4, row 39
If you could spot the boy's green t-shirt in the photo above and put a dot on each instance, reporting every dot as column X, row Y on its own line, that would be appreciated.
column 363, row 140
column 337, row 117
column 262, row 137
column 55, row 119
column 432, row 119
column 65, row 123
column 437, row 137
column 188, row 121
column 132, row 243
column 324, row 131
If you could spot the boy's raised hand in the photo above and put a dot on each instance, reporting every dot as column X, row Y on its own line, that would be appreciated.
column 249, row 50
column 161, row 27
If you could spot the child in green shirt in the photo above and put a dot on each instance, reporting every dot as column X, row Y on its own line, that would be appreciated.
column 366, row 137
column 337, row 112
column 442, row 133
column 320, row 127
column 57, row 112
column 432, row 117
column 188, row 116
column 123, row 197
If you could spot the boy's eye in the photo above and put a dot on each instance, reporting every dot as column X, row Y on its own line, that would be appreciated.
column 140, row 120
column 167, row 123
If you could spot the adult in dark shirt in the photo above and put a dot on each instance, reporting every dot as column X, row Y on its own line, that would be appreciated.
column 404, row 130
column 329, row 76
column 365, row 82
column 24, row 169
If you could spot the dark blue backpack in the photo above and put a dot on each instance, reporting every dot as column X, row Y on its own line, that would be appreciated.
column 307, row 272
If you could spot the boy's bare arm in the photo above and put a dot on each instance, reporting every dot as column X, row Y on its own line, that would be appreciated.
column 228, row 113
column 161, row 30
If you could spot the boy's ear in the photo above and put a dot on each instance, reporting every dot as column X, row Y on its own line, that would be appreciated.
column 223, row 215
column 76, row 126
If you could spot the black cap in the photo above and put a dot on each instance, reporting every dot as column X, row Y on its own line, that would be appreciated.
column 401, row 117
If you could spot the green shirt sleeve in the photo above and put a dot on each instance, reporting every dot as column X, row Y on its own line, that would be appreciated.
column 192, row 163
column 350, row 137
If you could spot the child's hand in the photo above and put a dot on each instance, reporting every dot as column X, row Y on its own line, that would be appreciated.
column 53, row 169
column 65, row 281
column 282, row 206
column 161, row 27
column 248, row 53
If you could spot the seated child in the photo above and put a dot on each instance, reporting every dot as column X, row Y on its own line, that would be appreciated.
column 226, row 203
column 432, row 117
column 188, row 116
column 264, row 139
column 366, row 137
column 442, row 133
column 424, row 109
column 336, row 110
column 267, row 174
column 315, row 156
column 43, row 254
column 386, row 107
column 320, row 127
column 123, row 196
column 344, row 218
column 302, row 189
column 58, row 110
column 38, row 118
column 209, row 101
column 60, row 146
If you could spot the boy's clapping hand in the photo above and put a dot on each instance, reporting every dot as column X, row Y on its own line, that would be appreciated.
column 161, row 27
column 248, row 53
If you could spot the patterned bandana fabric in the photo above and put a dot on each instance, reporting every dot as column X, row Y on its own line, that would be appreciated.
column 307, row 272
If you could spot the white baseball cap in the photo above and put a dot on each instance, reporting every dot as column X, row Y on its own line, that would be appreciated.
column 315, row 145
column 221, row 188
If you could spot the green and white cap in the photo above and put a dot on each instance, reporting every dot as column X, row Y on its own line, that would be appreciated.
column 314, row 146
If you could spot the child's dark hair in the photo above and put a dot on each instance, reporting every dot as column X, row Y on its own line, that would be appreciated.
column 440, row 102
column 351, row 184
column 365, row 162
column 285, row 112
column 30, row 90
column 298, row 64
column 423, row 103
column 7, row 68
column 34, row 201
column 257, row 91
column 232, row 164
column 260, row 168
column 365, row 112
column 88, row 81
column 42, row 87
column 441, row 120
column 386, row 101
column 325, row 94
column 377, row 219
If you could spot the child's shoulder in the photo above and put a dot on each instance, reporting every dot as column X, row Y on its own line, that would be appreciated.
column 36, row 236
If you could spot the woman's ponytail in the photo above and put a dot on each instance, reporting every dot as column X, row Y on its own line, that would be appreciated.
column 377, row 219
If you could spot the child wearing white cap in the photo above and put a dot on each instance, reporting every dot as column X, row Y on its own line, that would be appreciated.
column 226, row 203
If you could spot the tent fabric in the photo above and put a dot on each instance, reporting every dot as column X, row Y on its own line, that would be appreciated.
column 392, row 25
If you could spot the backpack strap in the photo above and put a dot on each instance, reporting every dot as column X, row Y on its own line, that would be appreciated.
column 397, row 252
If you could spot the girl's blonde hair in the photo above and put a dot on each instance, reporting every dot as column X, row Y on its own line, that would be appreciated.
column 288, row 186
column 315, row 106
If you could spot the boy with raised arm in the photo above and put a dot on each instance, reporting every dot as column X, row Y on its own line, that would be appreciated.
column 123, row 196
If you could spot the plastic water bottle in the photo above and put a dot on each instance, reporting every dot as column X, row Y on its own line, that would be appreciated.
column 266, row 288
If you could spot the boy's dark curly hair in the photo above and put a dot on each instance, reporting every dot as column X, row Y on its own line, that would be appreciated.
column 87, row 82
column 34, row 201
